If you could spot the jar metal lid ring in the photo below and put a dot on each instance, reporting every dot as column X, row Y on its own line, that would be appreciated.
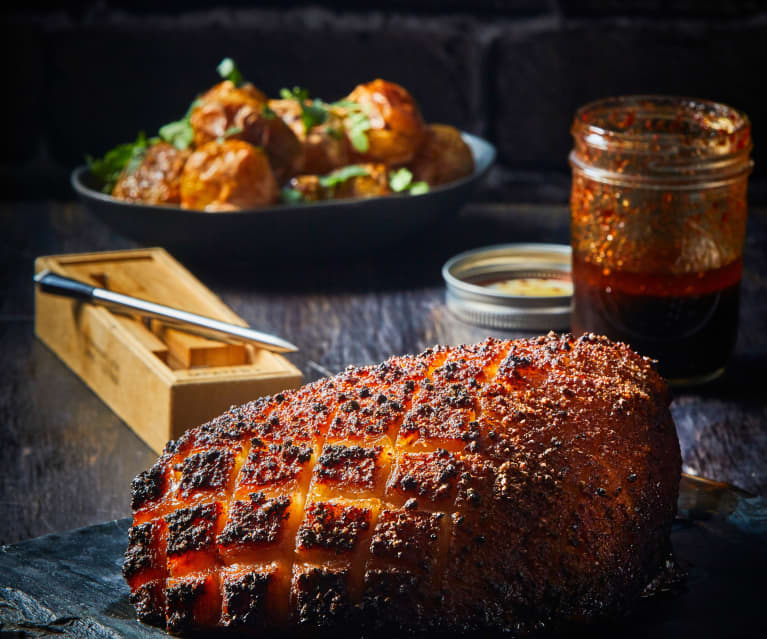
column 480, row 304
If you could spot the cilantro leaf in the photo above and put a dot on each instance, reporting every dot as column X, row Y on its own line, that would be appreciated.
column 358, row 124
column 341, row 175
column 232, row 130
column 419, row 188
column 313, row 112
column 291, row 196
column 180, row 133
column 124, row 157
column 197, row 102
column 359, row 140
column 400, row 179
column 228, row 70
column 268, row 112
column 345, row 104
column 296, row 93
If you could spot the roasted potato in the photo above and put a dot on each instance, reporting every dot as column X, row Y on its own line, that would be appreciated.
column 309, row 187
column 241, row 113
column 375, row 183
column 325, row 147
column 157, row 178
column 226, row 176
column 443, row 157
column 396, row 126
column 353, row 181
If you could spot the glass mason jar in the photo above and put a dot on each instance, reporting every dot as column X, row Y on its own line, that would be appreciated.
column 658, row 219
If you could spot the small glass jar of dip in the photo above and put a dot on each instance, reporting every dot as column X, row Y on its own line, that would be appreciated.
column 658, row 219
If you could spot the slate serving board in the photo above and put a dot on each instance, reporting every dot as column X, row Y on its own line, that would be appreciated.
column 70, row 584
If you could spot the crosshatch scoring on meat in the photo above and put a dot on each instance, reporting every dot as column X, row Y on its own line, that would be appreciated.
column 504, row 485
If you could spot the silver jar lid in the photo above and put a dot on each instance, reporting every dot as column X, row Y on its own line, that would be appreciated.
column 511, row 286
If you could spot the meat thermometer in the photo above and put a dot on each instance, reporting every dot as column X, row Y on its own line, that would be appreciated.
column 54, row 284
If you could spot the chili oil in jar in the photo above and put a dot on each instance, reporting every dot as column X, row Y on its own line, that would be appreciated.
column 658, row 219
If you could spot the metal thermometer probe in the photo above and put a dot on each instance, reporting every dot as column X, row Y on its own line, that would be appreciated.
column 49, row 282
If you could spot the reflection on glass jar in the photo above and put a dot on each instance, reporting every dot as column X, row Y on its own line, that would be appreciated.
column 658, row 218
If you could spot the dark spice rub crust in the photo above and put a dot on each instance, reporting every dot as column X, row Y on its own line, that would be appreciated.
column 502, row 486
column 256, row 521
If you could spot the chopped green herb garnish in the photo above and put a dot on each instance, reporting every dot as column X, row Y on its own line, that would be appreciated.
column 296, row 93
column 228, row 70
column 291, row 196
column 232, row 130
column 334, row 133
column 400, row 179
column 359, row 140
column 346, row 104
column 313, row 112
column 419, row 188
column 180, row 133
column 268, row 112
column 197, row 102
column 341, row 175
column 357, row 125
column 124, row 157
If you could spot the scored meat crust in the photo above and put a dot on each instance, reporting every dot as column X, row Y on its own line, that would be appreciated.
column 505, row 486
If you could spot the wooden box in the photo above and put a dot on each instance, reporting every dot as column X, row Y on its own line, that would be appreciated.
column 160, row 380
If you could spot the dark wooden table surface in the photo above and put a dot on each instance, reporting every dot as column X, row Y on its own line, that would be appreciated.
column 66, row 460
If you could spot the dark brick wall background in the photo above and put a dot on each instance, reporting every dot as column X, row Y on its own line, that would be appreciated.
column 83, row 78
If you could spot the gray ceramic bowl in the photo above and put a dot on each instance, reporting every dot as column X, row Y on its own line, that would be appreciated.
column 339, row 227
